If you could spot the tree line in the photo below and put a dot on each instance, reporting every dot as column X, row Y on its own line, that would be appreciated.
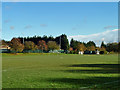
column 46, row 43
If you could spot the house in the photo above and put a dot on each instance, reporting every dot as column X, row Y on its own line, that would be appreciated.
column 4, row 49
column 81, row 52
column 98, row 52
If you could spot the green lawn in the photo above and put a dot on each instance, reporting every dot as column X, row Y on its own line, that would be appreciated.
column 60, row 71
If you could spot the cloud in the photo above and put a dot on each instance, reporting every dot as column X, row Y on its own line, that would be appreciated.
column 7, row 21
column 43, row 25
column 28, row 26
column 12, row 27
column 107, row 36
column 115, row 30
column 111, row 26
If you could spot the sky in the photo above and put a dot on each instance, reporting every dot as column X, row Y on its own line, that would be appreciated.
column 82, row 21
column 60, row 0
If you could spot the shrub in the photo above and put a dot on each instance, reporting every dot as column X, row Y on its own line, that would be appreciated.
column 71, row 52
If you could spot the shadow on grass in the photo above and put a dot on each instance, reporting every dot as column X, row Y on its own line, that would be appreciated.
column 105, row 68
column 115, row 66
column 97, row 71
column 106, row 82
column 77, row 83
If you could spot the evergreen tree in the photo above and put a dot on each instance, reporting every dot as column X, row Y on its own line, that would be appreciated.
column 64, row 42
column 91, row 43
column 73, row 44
column 103, row 45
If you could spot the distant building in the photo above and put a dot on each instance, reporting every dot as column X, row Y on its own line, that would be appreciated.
column 98, row 52
column 81, row 52
column 4, row 49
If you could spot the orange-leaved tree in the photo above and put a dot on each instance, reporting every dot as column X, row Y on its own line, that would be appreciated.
column 42, row 45
column 81, row 47
column 16, row 45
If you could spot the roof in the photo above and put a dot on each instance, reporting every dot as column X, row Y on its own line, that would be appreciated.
column 4, row 47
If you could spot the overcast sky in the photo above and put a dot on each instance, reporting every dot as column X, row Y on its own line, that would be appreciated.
column 82, row 21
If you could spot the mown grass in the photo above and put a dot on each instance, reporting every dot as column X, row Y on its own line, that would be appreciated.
column 60, row 71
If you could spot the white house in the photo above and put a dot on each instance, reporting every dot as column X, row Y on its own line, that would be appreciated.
column 81, row 52
column 98, row 52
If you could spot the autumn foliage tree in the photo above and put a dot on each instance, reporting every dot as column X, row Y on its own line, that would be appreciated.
column 70, row 49
column 91, row 48
column 16, row 45
column 61, row 42
column 52, row 45
column 81, row 47
column 29, row 45
column 42, row 45
column 102, row 48
column 3, row 42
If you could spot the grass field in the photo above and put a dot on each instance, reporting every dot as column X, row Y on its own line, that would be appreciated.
column 60, row 71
